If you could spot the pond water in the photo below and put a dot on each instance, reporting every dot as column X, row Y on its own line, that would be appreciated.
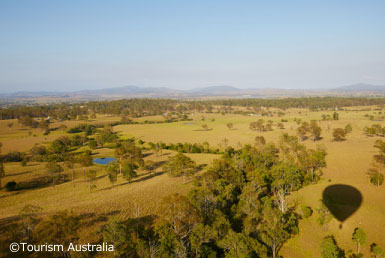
column 103, row 161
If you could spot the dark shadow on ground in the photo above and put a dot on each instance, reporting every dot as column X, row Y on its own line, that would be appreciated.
column 342, row 200
column 40, row 182
column 147, row 154
column 18, row 174
column 203, row 130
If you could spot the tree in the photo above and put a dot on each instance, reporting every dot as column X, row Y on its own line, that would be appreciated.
column 178, row 219
column 157, row 148
column 205, row 127
column 286, row 177
column 60, row 228
column 112, row 172
column 339, row 134
column 235, row 245
column 376, row 178
column 115, row 232
column 85, row 160
column 129, row 151
column 330, row 249
column 10, row 126
column 2, row 171
column 336, row 116
column 119, row 153
column 313, row 161
column 302, row 130
column 91, row 175
column 54, row 171
column 380, row 157
column 377, row 251
column 315, row 130
column 269, row 125
column 201, row 235
column 230, row 126
column 348, row 128
column 69, row 161
column 180, row 165
column 93, row 144
column 276, row 228
column 259, row 125
column 59, row 146
column 128, row 169
column 259, row 141
column 359, row 238
column 149, row 166
column 324, row 216
column 29, row 220
column 253, row 126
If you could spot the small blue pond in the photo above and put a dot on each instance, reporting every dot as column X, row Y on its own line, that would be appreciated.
column 103, row 161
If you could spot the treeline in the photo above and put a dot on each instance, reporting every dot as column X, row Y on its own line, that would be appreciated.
column 184, row 147
column 54, row 111
column 308, row 102
column 150, row 107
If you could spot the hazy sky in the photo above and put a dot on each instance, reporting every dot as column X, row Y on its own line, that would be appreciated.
column 73, row 45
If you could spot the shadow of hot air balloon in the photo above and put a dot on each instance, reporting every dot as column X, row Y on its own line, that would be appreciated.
column 342, row 201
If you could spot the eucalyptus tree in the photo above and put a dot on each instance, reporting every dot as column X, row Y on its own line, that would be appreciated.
column 180, row 165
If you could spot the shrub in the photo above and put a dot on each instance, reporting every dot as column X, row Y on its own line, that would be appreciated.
column 306, row 211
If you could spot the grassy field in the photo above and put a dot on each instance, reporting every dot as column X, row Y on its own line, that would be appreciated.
column 347, row 163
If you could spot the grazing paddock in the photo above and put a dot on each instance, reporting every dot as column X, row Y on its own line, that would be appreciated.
column 347, row 163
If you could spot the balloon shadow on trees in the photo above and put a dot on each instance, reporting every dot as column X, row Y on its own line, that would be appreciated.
column 342, row 201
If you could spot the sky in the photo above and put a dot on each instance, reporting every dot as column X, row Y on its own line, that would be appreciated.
column 75, row 45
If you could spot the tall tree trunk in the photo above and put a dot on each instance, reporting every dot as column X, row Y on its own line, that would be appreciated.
column 73, row 176
column 312, row 174
column 120, row 165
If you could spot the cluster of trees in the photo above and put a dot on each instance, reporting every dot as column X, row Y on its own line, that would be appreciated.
column 375, row 175
column 330, row 248
column 339, row 134
column 129, row 158
column 311, row 128
column 169, row 117
column 65, row 111
column 261, row 126
column 239, row 207
column 375, row 130
column 88, row 129
column 184, row 147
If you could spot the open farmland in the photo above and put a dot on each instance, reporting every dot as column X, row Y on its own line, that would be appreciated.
column 347, row 163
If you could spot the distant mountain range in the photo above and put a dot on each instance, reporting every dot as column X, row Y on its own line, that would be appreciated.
column 360, row 89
